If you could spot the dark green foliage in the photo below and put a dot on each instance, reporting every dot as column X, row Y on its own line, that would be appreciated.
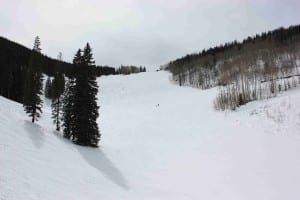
column 14, row 60
column 69, row 99
column 13, row 65
column 130, row 69
column 85, row 126
column 87, row 57
column 33, row 85
column 48, row 87
column 57, row 89
column 37, row 44
column 142, row 69
column 58, row 83
column 68, row 112
column 104, row 70
column 80, row 106
column 78, row 59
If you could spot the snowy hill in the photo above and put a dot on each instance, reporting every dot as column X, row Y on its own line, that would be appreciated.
column 159, row 141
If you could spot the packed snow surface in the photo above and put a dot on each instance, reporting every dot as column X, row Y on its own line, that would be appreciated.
column 159, row 141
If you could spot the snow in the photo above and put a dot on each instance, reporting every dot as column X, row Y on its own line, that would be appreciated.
column 181, row 149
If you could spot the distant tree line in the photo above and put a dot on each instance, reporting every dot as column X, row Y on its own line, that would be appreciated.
column 14, row 61
column 105, row 70
column 280, row 36
column 258, row 67
column 130, row 69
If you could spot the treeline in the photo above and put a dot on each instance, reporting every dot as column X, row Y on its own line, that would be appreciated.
column 106, row 70
column 258, row 67
column 14, row 60
column 130, row 69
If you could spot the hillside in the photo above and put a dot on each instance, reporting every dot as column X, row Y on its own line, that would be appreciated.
column 159, row 141
column 259, row 67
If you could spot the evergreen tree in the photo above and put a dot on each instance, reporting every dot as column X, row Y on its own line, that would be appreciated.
column 85, row 128
column 67, row 108
column 78, row 58
column 33, row 84
column 57, row 89
column 60, row 57
column 87, row 57
column 37, row 44
column 69, row 98
column 47, row 90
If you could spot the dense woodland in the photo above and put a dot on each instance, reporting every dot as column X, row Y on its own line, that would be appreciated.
column 14, row 60
column 256, row 68
column 130, row 69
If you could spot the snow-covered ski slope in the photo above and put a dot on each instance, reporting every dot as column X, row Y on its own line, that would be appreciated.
column 181, row 149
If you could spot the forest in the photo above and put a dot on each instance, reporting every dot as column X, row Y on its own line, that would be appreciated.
column 72, row 88
column 14, row 60
column 258, row 67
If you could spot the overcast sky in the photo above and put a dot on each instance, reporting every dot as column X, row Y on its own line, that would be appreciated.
column 145, row 32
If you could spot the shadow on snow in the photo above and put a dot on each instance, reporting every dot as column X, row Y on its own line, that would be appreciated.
column 96, row 158
column 35, row 133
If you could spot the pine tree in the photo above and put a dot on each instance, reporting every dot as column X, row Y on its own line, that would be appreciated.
column 37, row 44
column 87, row 57
column 32, row 102
column 57, row 89
column 69, row 98
column 67, row 108
column 92, row 90
column 85, row 130
column 60, row 56
column 47, row 90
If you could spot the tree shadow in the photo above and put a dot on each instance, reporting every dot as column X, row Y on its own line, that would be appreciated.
column 35, row 133
column 64, row 140
column 97, row 159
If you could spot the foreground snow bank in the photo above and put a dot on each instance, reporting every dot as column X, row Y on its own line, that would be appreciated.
column 181, row 149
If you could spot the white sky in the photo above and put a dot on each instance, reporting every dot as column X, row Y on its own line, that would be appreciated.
column 145, row 32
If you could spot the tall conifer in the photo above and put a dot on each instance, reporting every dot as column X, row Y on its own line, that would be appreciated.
column 57, row 89
column 47, row 90
column 69, row 99
column 32, row 102
column 86, row 130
